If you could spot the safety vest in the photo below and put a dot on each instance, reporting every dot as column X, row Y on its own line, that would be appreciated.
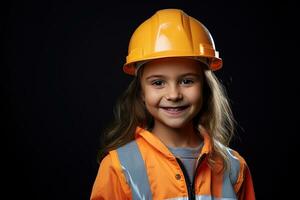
column 146, row 169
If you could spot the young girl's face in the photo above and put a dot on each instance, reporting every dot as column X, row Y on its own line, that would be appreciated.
column 172, row 90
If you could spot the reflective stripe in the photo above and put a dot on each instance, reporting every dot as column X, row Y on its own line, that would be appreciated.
column 179, row 198
column 234, row 167
column 230, row 178
column 208, row 197
column 202, row 197
column 134, row 170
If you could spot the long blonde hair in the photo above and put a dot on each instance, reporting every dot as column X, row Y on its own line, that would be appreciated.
column 215, row 116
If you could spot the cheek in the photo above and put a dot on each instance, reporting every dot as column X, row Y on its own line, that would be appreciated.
column 151, row 97
column 195, row 95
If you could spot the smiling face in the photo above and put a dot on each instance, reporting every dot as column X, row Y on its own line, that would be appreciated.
column 172, row 91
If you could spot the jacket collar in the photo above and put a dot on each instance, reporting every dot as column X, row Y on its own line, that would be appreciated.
column 155, row 142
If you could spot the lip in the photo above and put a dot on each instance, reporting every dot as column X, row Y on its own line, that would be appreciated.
column 174, row 111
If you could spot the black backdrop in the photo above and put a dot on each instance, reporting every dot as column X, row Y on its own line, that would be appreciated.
column 62, row 76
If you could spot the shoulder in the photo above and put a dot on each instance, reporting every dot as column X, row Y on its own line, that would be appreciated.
column 111, row 167
column 234, row 156
column 110, row 182
column 120, row 157
column 238, row 167
column 235, row 159
column 110, row 162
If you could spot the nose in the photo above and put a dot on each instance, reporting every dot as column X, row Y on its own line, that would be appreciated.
column 174, row 94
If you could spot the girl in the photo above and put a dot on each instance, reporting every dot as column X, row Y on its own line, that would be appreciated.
column 173, row 124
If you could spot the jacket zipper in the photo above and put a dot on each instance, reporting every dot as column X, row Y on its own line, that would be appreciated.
column 190, row 186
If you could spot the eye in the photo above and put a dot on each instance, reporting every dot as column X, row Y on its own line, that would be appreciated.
column 157, row 82
column 186, row 81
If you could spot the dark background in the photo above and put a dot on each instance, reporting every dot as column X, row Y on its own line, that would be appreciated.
column 61, row 75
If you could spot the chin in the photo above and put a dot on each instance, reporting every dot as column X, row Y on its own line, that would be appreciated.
column 176, row 125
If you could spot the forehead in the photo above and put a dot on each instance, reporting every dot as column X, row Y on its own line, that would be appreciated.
column 172, row 66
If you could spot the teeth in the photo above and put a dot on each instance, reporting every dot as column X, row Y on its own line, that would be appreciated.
column 173, row 109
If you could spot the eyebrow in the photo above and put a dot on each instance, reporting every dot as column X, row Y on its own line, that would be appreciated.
column 182, row 75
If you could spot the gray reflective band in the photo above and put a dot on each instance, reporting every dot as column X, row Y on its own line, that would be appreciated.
column 134, row 170
column 208, row 197
column 230, row 178
column 203, row 197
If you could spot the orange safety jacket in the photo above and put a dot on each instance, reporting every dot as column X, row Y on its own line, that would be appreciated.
column 146, row 169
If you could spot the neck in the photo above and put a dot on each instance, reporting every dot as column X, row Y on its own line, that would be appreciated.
column 185, row 136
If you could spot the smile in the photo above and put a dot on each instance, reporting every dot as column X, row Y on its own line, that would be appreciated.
column 175, row 110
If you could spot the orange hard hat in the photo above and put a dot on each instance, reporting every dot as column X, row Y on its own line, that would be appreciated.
column 171, row 33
